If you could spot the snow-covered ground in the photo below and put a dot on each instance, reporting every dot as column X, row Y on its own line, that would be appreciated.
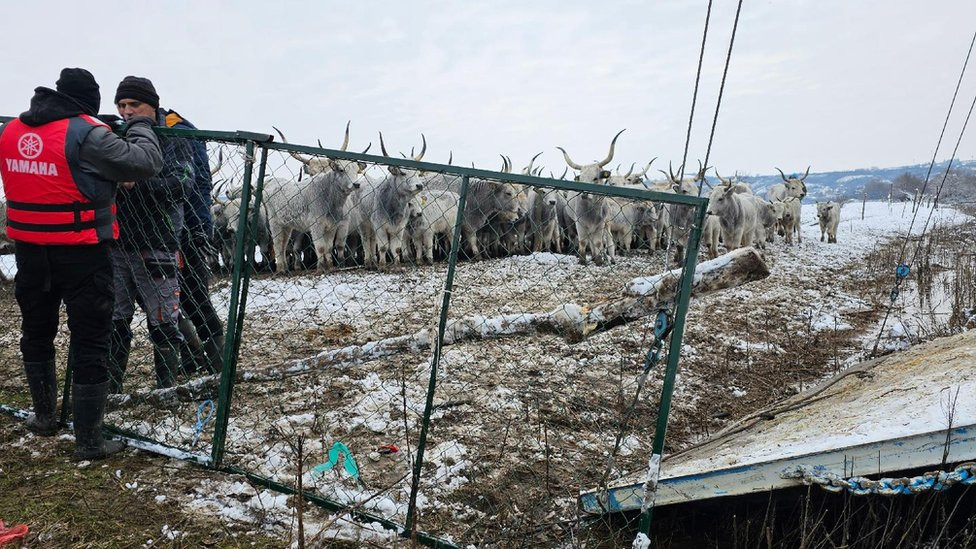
column 528, row 419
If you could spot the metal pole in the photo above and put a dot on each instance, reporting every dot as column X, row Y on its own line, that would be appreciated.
column 230, row 341
column 411, row 522
column 674, row 352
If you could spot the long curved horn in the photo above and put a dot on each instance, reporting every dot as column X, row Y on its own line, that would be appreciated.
column 565, row 171
column 219, row 188
column 422, row 149
column 643, row 173
column 631, row 169
column 366, row 150
column 783, row 175
column 220, row 163
column 528, row 169
column 805, row 174
column 293, row 154
column 610, row 154
column 321, row 146
column 671, row 174
column 450, row 158
column 509, row 159
column 724, row 181
column 383, row 145
column 345, row 140
column 569, row 161
column 504, row 163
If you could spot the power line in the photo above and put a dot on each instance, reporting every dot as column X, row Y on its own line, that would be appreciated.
column 903, row 269
column 694, row 95
column 721, row 89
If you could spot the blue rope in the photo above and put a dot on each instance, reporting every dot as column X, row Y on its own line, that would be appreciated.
column 202, row 420
column 936, row 481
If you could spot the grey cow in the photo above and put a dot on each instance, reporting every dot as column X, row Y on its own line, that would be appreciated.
column 315, row 205
column 381, row 211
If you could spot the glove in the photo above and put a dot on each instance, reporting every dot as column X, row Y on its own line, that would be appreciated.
column 140, row 120
column 203, row 243
column 113, row 120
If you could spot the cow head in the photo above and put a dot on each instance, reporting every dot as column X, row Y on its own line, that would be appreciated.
column 595, row 172
column 319, row 164
column 409, row 182
column 824, row 210
column 795, row 186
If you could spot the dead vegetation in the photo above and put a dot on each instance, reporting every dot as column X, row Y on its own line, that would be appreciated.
column 534, row 418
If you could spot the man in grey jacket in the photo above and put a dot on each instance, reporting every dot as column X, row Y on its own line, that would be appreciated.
column 145, row 262
column 60, row 166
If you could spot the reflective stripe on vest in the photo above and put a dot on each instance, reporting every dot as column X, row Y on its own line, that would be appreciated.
column 44, row 203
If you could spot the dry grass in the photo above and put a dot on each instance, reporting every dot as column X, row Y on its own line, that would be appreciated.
column 527, row 463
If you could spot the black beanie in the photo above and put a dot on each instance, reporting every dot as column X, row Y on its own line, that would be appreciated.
column 80, row 85
column 138, row 88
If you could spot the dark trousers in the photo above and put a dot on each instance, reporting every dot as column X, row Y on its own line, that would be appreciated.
column 79, row 276
column 194, row 287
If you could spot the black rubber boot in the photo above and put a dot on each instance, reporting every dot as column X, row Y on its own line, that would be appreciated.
column 214, row 349
column 43, row 381
column 88, row 407
column 118, row 354
column 166, row 359
column 166, row 353
column 192, row 355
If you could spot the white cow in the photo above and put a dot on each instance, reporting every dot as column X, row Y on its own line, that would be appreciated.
column 590, row 213
column 829, row 215
column 437, row 215
column 791, row 186
column 791, row 219
column 711, row 233
column 738, row 215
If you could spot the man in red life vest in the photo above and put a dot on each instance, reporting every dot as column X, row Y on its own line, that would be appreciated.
column 60, row 166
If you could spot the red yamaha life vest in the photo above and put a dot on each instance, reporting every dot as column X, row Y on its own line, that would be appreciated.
column 44, row 203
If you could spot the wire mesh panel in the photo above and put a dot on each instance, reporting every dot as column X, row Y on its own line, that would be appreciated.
column 423, row 345
column 168, row 322
column 526, row 410
column 332, row 348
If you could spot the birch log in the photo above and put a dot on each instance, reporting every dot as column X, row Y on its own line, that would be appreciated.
column 640, row 298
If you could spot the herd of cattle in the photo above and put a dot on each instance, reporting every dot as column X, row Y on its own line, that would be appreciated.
column 342, row 213
column 339, row 212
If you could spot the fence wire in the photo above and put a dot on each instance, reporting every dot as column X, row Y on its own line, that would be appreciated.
column 337, row 386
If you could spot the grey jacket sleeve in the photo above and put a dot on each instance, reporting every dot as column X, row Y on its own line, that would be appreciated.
column 131, row 158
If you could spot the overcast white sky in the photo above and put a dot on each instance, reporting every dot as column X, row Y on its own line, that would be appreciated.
column 833, row 83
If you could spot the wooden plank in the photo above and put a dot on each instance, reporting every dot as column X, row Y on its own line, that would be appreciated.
column 888, row 456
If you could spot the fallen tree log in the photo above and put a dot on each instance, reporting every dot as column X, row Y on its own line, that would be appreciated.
column 641, row 297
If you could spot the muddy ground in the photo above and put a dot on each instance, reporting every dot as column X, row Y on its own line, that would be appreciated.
column 520, row 425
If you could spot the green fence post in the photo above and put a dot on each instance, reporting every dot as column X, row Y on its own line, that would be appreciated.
column 674, row 353
column 411, row 522
column 235, row 309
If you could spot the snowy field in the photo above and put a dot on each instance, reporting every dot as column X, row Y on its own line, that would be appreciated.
column 520, row 425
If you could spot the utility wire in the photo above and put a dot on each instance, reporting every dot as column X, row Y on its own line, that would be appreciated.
column 901, row 255
column 718, row 105
column 908, row 235
column 694, row 95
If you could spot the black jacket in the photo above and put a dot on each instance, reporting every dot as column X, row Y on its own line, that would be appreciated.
column 103, row 154
column 150, row 213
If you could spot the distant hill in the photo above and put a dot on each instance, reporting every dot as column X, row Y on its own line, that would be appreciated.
column 878, row 181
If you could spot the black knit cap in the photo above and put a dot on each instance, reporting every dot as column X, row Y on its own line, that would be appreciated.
column 80, row 85
column 138, row 88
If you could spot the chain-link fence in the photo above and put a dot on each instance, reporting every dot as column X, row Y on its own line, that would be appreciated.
column 423, row 345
